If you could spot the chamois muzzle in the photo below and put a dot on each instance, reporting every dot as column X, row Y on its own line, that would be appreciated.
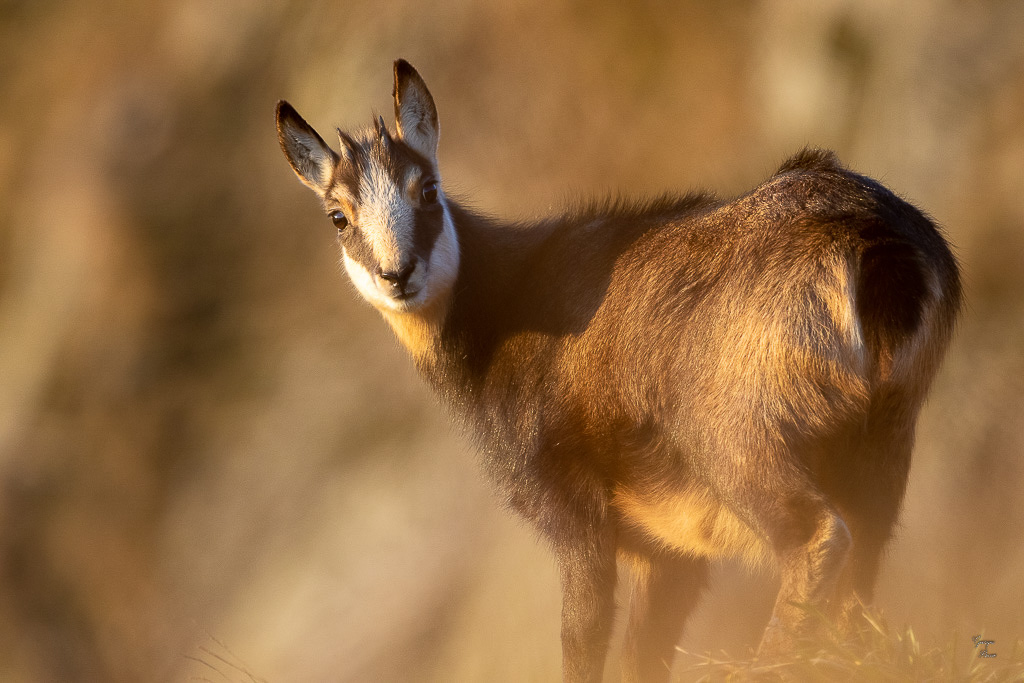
column 396, row 282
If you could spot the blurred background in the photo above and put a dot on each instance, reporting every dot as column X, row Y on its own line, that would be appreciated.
column 215, row 462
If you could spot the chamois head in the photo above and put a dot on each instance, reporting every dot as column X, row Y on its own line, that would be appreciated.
column 383, row 192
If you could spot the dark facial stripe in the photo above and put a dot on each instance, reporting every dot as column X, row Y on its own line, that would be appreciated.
column 396, row 159
column 428, row 225
column 358, row 248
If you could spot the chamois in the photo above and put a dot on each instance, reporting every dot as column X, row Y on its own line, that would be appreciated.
column 666, row 382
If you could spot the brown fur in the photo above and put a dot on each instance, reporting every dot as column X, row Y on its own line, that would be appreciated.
column 689, row 378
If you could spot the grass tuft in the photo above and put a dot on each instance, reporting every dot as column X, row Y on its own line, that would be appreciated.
column 870, row 651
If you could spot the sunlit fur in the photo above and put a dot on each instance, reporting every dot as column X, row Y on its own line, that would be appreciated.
column 690, row 520
column 664, row 382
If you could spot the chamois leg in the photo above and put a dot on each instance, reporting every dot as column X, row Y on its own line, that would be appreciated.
column 871, row 527
column 665, row 588
column 588, row 574
column 812, row 545
column 873, row 516
column 857, row 584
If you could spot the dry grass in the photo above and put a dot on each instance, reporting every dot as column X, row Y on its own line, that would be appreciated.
column 873, row 652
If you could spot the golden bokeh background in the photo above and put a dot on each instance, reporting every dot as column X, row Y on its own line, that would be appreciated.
column 215, row 462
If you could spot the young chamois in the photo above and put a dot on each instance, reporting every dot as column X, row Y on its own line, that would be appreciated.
column 661, row 383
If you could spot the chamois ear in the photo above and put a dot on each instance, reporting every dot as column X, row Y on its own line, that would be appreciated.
column 310, row 157
column 415, row 113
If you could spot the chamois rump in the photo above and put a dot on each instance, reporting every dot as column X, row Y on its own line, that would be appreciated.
column 661, row 383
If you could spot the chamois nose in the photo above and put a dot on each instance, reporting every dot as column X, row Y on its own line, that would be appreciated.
column 397, row 279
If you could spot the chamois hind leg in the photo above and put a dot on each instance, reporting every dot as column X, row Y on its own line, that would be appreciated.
column 857, row 583
column 872, row 510
column 665, row 588
column 811, row 543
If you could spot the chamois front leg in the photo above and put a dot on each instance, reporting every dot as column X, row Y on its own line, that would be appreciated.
column 665, row 588
column 587, row 565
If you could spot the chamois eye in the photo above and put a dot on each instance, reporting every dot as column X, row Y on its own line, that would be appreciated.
column 429, row 192
column 339, row 219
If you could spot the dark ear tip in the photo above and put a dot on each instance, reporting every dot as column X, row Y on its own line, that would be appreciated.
column 285, row 110
column 403, row 70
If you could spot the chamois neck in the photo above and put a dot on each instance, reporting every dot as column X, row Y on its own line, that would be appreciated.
column 426, row 332
column 418, row 331
column 447, row 340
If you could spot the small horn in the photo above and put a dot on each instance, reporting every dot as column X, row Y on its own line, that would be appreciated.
column 348, row 145
column 382, row 132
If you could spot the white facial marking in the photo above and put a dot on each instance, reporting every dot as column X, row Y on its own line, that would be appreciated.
column 365, row 282
column 430, row 281
column 385, row 217
column 444, row 260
